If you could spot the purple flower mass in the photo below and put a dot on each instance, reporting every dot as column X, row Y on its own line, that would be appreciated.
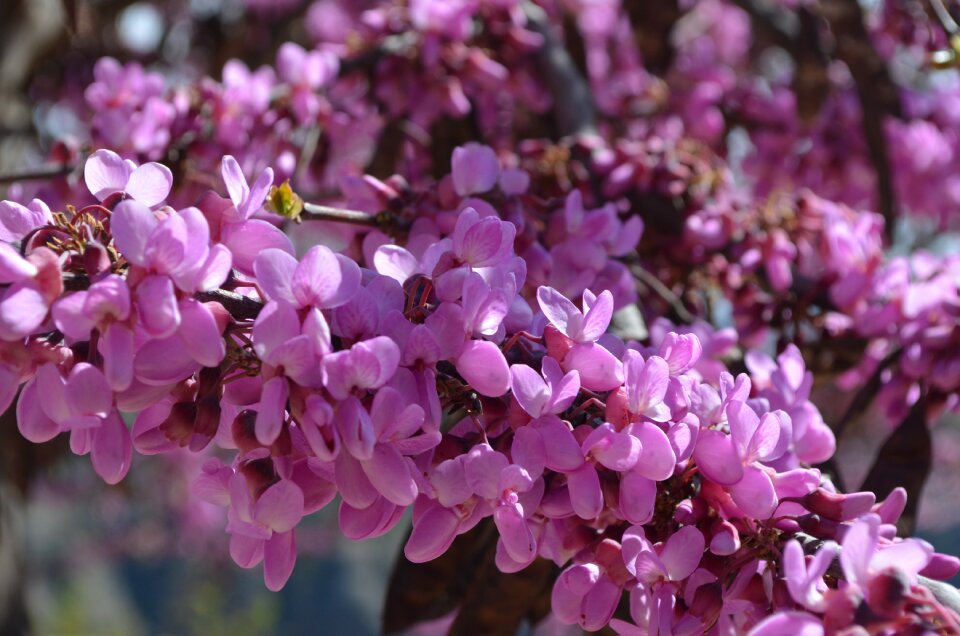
column 605, row 324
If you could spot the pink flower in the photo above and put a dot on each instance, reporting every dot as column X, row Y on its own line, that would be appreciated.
column 599, row 369
column 551, row 394
column 105, row 172
column 232, row 222
column 475, row 168
column 36, row 283
column 321, row 278
column 734, row 461
column 16, row 221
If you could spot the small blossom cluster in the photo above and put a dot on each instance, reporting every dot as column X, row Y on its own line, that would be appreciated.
column 442, row 375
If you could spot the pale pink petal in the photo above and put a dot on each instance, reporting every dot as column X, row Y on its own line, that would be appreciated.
column 150, row 184
column 598, row 368
column 515, row 533
column 70, row 318
column 474, row 168
column 247, row 239
column 585, row 494
column 163, row 362
column 316, row 328
column 433, row 533
column 258, row 193
column 105, row 172
column 279, row 557
column 562, row 450
column 611, row 449
column 16, row 221
column 370, row 522
column 637, row 497
column 908, row 556
column 271, row 410
column 717, row 458
column 529, row 389
column 88, row 392
column 167, row 248
column 108, row 298
column 599, row 604
column 23, row 308
column 215, row 269
column 52, row 388
column 482, row 365
column 276, row 323
column 390, row 475
column 597, row 319
column 395, row 262
column 356, row 429
column 111, row 449
column 682, row 552
column 754, row 493
column 280, row 507
column 483, row 467
column 657, row 460
column 245, row 551
column 352, row 482
column 480, row 243
column 235, row 181
column 570, row 588
column 324, row 280
column 766, row 440
column 200, row 333
column 132, row 224
column 561, row 313
column 743, row 424
column 32, row 422
column 157, row 306
column 14, row 267
column 564, row 387
column 725, row 540
column 528, row 451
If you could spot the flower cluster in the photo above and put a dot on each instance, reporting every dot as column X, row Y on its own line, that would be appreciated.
column 436, row 375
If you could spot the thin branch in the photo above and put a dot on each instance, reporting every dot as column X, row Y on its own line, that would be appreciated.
column 780, row 24
column 240, row 307
column 572, row 100
column 879, row 96
column 39, row 173
column 865, row 395
column 391, row 45
column 386, row 221
column 664, row 292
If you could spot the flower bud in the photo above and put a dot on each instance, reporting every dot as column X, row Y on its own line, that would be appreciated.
column 726, row 539
column 96, row 259
column 836, row 506
column 178, row 427
column 690, row 511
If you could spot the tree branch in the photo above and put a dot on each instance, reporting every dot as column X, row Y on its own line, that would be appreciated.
column 39, row 173
column 574, row 111
column 879, row 96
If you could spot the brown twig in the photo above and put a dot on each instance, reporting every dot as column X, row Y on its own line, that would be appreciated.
column 652, row 24
column 240, row 307
column 386, row 221
column 39, row 173
column 664, row 292
column 574, row 112
column 879, row 96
